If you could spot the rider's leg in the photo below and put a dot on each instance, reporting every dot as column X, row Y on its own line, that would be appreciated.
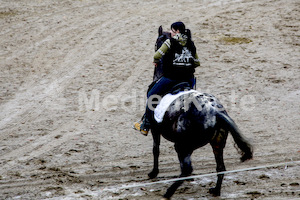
column 144, row 127
column 160, row 88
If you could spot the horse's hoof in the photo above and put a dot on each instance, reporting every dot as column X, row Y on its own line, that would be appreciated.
column 166, row 198
column 153, row 174
column 215, row 192
column 247, row 156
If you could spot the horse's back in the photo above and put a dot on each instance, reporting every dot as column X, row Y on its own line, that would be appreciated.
column 193, row 117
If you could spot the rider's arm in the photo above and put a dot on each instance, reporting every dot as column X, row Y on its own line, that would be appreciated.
column 196, row 60
column 162, row 51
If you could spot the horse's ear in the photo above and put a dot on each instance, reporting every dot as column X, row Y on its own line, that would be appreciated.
column 188, row 33
column 160, row 31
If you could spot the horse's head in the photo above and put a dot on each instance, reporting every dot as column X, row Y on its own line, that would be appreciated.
column 162, row 36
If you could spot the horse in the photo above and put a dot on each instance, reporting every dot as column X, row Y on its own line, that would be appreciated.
column 191, row 121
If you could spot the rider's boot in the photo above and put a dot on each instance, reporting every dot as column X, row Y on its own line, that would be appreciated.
column 143, row 126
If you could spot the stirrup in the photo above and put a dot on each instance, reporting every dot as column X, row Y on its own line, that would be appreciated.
column 137, row 126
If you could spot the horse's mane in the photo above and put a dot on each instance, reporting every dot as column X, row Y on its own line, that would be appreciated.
column 162, row 37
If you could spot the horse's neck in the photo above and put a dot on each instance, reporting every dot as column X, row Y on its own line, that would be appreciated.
column 158, row 72
column 163, row 36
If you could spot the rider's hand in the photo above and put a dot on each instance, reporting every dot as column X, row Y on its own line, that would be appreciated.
column 155, row 64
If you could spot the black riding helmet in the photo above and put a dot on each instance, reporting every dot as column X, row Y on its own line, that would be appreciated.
column 178, row 26
column 181, row 27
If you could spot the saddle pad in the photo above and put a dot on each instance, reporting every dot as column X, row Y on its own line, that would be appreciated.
column 164, row 104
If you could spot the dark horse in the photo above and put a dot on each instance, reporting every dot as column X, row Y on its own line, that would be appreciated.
column 192, row 121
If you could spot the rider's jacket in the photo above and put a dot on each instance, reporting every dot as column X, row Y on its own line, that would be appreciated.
column 179, row 58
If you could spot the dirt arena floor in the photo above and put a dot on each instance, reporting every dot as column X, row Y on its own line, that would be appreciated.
column 73, row 79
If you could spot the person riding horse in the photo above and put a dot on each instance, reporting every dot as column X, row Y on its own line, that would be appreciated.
column 179, row 60
column 193, row 119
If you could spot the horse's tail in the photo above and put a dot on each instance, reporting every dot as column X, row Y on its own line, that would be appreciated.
column 241, row 141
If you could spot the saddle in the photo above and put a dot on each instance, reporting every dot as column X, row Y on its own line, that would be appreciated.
column 177, row 90
column 183, row 86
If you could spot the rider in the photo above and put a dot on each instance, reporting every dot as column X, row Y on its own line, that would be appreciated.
column 179, row 62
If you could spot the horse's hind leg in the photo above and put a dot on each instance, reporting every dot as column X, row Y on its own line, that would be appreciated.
column 218, row 144
column 184, row 157
column 216, row 191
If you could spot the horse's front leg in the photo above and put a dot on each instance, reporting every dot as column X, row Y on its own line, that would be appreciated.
column 156, row 143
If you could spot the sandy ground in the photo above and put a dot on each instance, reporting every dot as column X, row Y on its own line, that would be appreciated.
column 73, row 79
